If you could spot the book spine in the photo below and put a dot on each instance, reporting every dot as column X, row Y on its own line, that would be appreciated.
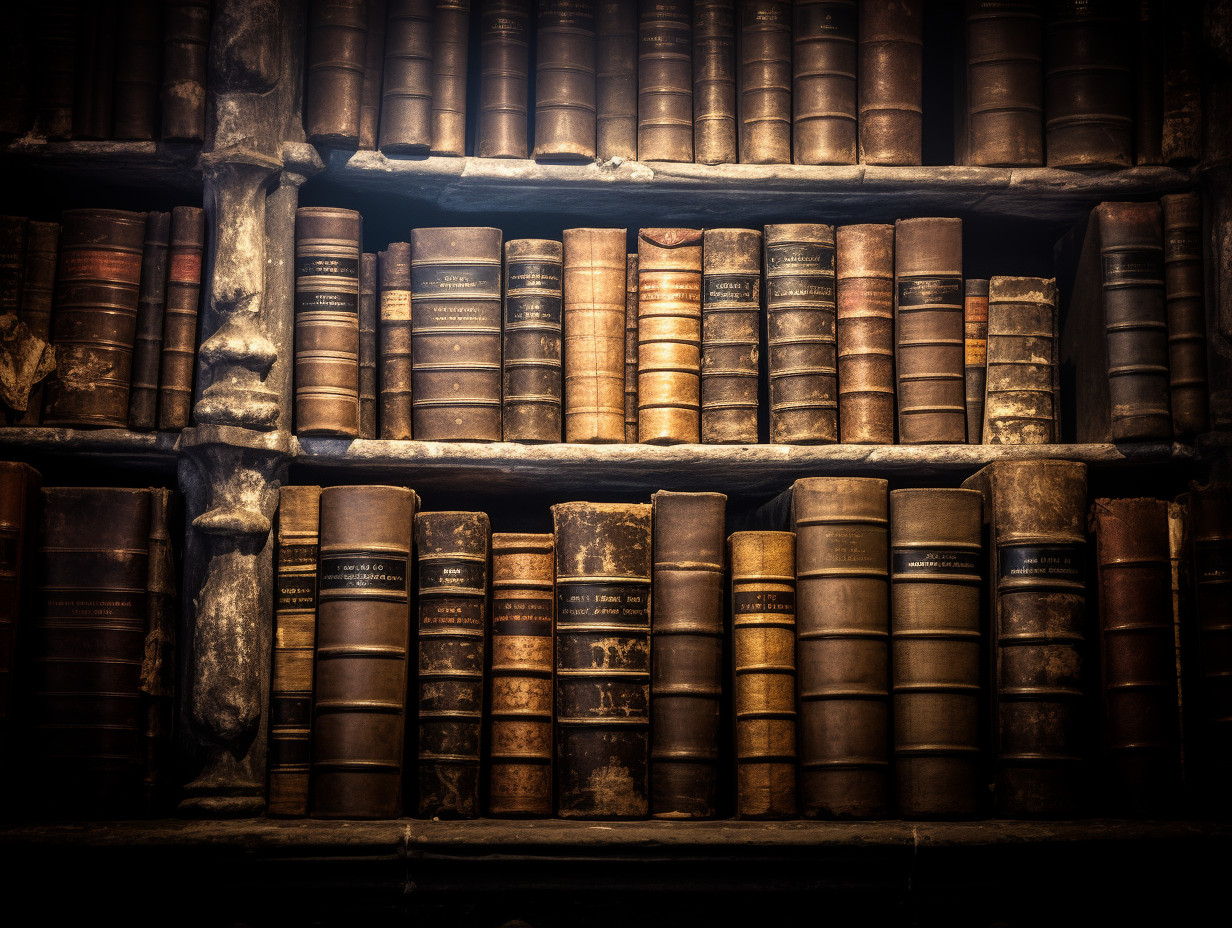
column 602, row 659
column 1020, row 404
column 1005, row 84
column 186, row 40
column 1148, row 69
column 631, row 281
column 824, row 124
column 148, row 343
column 616, row 80
column 1182, row 104
column 523, row 625
column 936, row 564
column 363, row 631
column 534, row 303
column 731, row 340
column 55, row 67
column 503, row 79
column 665, row 81
column 179, row 348
column 1184, row 293
column 406, row 87
column 765, row 82
column 370, row 92
column 139, row 38
column 975, row 355
column 864, row 337
column 19, row 495
column 337, row 34
column 1181, row 573
column 12, row 262
column 595, row 273
column 891, row 72
column 450, row 42
column 93, row 92
column 801, row 322
column 158, row 665
column 37, row 290
column 367, row 346
column 565, row 81
column 394, row 366
column 669, row 335
column 687, row 643
column 456, row 333
column 714, row 82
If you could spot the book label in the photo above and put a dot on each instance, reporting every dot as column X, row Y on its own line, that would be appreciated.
column 975, row 352
column 1213, row 561
column 826, row 20
column 455, row 611
column 295, row 592
column 91, row 604
column 452, row 573
column 802, row 287
column 379, row 572
column 297, row 556
column 936, row 561
column 461, row 282
column 865, row 297
column 603, row 603
column 396, row 306
column 927, row 292
column 326, row 266
column 567, row 14
column 504, row 26
column 764, row 602
column 800, row 256
column 842, row 548
column 327, row 302
column 524, row 309
column 103, row 264
column 1042, row 562
column 1137, row 266
column 515, row 616
column 732, row 288
column 533, row 275
column 185, row 267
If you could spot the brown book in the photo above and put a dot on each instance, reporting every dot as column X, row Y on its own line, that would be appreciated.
column 864, row 336
column 452, row 551
column 97, row 286
column 327, row 249
column 93, row 91
column 665, row 80
column 1035, row 513
column 534, row 302
column 595, row 272
column 367, row 345
column 1005, row 84
column 12, row 261
column 801, row 321
column 37, row 292
column 765, row 82
column 503, row 79
column 406, row 84
column 928, row 323
column 891, row 74
column 394, row 359
column 158, row 665
column 295, row 632
column 631, row 281
column 1020, row 404
column 669, row 335
column 19, row 498
column 1180, row 543
column 1149, row 82
column 936, row 563
column 824, row 82
column 450, row 40
column 186, row 39
column 714, row 82
column 975, row 355
column 520, row 704
column 1182, row 103
column 456, row 333
column 616, row 80
column 55, row 67
column 731, row 335
column 1184, row 295
column 334, row 66
column 138, row 54
column 565, row 81
column 185, row 261
column 374, row 59
column 363, row 631
column 687, row 643
column 763, row 609
column 151, row 303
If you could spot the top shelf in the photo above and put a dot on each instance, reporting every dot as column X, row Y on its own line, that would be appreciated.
column 170, row 166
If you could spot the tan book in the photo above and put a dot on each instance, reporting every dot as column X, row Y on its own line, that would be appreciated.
column 394, row 361
column 765, row 82
column 406, row 86
column 731, row 335
column 865, row 333
column 714, row 82
column 565, row 81
column 534, row 302
column 824, row 82
column 334, row 66
column 890, row 81
column 595, row 271
column 450, row 42
column 503, row 79
column 665, row 81
column 616, row 80
column 1020, row 405
column 631, row 349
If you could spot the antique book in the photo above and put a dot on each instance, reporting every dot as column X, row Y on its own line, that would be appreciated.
column 1036, row 513
column 686, row 635
column 1182, row 104
column 394, row 341
column 295, row 631
column 1181, row 572
column 714, row 82
column 936, row 566
column 1020, row 402
column 137, row 77
column 765, row 82
column 824, row 82
column 602, row 659
column 520, row 700
column 334, row 70
column 864, row 335
column 1184, row 295
column 801, row 321
column 12, row 261
column 929, row 337
column 406, row 84
column 19, row 497
column 531, row 357
column 450, row 41
column 842, row 645
column 1142, row 758
column 669, row 335
column 95, row 323
column 504, row 60
column 665, row 80
column 186, row 39
column 327, row 249
column 975, row 355
column 1005, row 84
column 890, row 76
column 367, row 345
column 374, row 61
column 55, row 65
column 616, row 80
column 94, row 75
column 1148, row 67
column 456, row 334
column 763, row 641
column 594, row 324
column 631, row 280
column 185, row 261
column 452, row 551
column 148, row 343
column 38, row 286
column 362, row 646
column 731, row 335
column 158, row 664
column 565, row 81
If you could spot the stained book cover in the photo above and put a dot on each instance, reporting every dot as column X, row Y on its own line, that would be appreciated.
column 531, row 354
column 565, row 105
column 975, row 355
column 864, row 336
column 186, row 38
column 1021, row 406
column 406, row 84
column 714, row 82
column 1005, row 84
column 394, row 362
column 185, row 261
column 143, row 389
column 731, row 335
column 891, row 64
column 1184, row 293
column 450, row 47
column 765, row 82
column 616, row 79
column 823, row 99
column 334, row 65
column 665, row 81
column 594, row 331
column 503, row 82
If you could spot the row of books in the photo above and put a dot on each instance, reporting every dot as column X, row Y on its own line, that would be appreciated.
column 1078, row 85
column 116, row 294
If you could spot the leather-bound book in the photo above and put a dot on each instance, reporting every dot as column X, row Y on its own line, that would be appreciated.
column 452, row 551
column 186, row 39
column 929, row 336
column 565, row 81
column 936, row 564
column 801, row 322
column 503, row 79
column 394, row 331
column 456, row 333
column 19, row 498
column 374, row 60
column 158, row 665
column 714, row 82
column 185, row 261
column 1184, row 294
column 94, row 75
column 37, row 291
column 975, row 355
column 367, row 345
column 1020, row 405
column 147, row 346
column 450, row 41
column 864, row 258
column 669, row 335
column 520, row 704
column 1148, row 68
column 138, row 50
column 616, row 80
column 665, row 80
column 890, row 77
column 602, row 659
column 824, row 82
column 534, row 302
column 1142, row 758
column 842, row 645
column 1036, row 513
column 631, row 349
column 406, row 85
column 55, row 65
column 687, row 643
column 95, row 324
column 363, row 634
column 595, row 272
column 1182, row 105
column 763, row 617
column 334, row 66
column 765, row 82
column 1005, row 84
column 731, row 335
column 1088, row 93
column 1181, row 571
column 295, row 632
column 327, row 249
column 12, row 262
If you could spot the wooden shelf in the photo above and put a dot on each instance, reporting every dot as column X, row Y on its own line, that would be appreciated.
column 171, row 166
column 120, row 448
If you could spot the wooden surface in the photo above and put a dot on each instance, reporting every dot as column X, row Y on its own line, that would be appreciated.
column 167, row 166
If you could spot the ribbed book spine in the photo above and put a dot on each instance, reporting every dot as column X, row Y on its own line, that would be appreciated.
column 19, row 498
column 185, row 260
column 394, row 341
column 186, row 39
column 714, row 82
column 765, row 82
column 1184, row 292
column 534, row 304
column 731, row 339
column 595, row 272
column 891, row 73
column 367, row 346
column 565, row 81
column 337, row 33
column 406, row 85
column 864, row 335
column 1005, row 84
column 631, row 281
column 824, row 125
column 503, row 79
column 450, row 42
column 615, row 80
column 143, row 390
column 137, row 70
column 55, row 64
column 665, row 81
column 38, row 287
column 374, row 60
column 975, row 355
column 1020, row 406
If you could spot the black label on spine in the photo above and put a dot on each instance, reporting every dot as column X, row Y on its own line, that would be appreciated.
column 530, row 617
column 566, row 15
column 377, row 571
column 1138, row 266
column 826, row 20
column 288, row 711
column 534, row 275
column 327, row 302
column 732, row 288
column 1042, row 562
column 322, row 266
column 789, row 256
column 812, row 287
column 1213, row 561
column 934, row 561
column 464, row 612
column 614, row 603
column 764, row 602
column 930, row 291
column 520, row 309
column 455, row 574
column 458, row 281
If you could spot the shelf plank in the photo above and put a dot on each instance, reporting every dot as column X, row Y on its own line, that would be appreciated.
column 114, row 447
column 171, row 166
